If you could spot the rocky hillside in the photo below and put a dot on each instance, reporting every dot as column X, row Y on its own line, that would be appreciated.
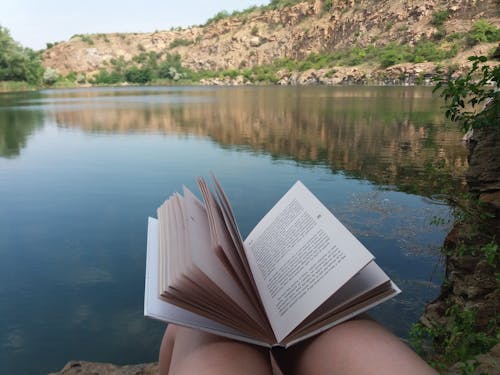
column 261, row 35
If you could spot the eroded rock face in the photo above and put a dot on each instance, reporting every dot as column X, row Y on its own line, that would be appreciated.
column 261, row 37
column 483, row 175
column 470, row 279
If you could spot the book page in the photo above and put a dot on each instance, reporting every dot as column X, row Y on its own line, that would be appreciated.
column 343, row 315
column 224, row 242
column 366, row 281
column 300, row 254
column 157, row 308
column 207, row 261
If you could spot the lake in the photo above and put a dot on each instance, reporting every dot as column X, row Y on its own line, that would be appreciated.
column 82, row 169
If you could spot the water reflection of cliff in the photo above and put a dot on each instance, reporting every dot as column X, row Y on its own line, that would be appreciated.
column 381, row 135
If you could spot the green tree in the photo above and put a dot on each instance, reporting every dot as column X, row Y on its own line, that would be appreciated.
column 18, row 63
column 392, row 54
column 138, row 75
column 171, row 67
column 473, row 100
column 50, row 76
column 106, row 78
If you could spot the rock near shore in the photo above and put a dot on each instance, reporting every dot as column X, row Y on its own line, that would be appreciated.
column 488, row 364
column 96, row 368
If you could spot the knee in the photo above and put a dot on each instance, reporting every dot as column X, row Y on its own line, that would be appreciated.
column 170, row 332
column 166, row 348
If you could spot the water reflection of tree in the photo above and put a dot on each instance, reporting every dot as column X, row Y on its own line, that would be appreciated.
column 15, row 128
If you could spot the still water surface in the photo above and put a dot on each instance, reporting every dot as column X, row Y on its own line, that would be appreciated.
column 80, row 171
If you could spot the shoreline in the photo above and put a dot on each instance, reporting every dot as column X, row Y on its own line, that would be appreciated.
column 29, row 88
column 488, row 363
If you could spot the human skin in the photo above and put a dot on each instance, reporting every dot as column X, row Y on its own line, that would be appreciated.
column 359, row 346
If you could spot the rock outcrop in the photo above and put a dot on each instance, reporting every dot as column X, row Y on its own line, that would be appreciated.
column 483, row 175
column 471, row 279
column 97, row 368
column 488, row 363
column 261, row 36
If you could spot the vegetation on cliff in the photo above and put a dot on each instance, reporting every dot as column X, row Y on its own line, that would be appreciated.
column 284, row 42
column 153, row 67
column 474, row 100
column 291, row 42
column 463, row 321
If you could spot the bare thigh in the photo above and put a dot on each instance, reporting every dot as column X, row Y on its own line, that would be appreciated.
column 190, row 351
column 355, row 347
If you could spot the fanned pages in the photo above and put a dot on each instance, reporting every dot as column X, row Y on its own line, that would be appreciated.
column 299, row 272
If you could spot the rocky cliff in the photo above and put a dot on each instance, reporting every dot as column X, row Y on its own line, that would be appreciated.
column 261, row 35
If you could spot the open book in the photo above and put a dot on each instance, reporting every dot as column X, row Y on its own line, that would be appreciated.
column 298, row 273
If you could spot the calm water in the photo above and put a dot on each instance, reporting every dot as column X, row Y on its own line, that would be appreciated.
column 80, row 171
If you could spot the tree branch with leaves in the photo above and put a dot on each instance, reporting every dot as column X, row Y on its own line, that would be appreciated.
column 474, row 99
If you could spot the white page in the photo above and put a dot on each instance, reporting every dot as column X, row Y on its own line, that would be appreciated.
column 355, row 312
column 159, row 309
column 366, row 280
column 206, row 260
column 300, row 254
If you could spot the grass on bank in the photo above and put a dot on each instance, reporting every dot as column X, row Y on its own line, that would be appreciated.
column 12, row 86
column 458, row 341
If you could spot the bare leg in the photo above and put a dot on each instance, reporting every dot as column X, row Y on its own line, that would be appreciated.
column 166, row 349
column 354, row 347
column 189, row 351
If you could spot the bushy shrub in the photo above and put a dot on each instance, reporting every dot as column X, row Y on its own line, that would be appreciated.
column 108, row 78
column 454, row 36
column 171, row 67
column 71, row 77
column 457, row 341
column 278, row 4
column 50, row 76
column 327, row 5
column 392, row 54
column 483, row 31
column 119, row 64
column 180, row 42
column 244, row 12
column 81, row 78
column 51, row 45
column 430, row 51
column 138, row 75
column 87, row 39
column 264, row 74
column 440, row 17
column 219, row 16
column 304, row 65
